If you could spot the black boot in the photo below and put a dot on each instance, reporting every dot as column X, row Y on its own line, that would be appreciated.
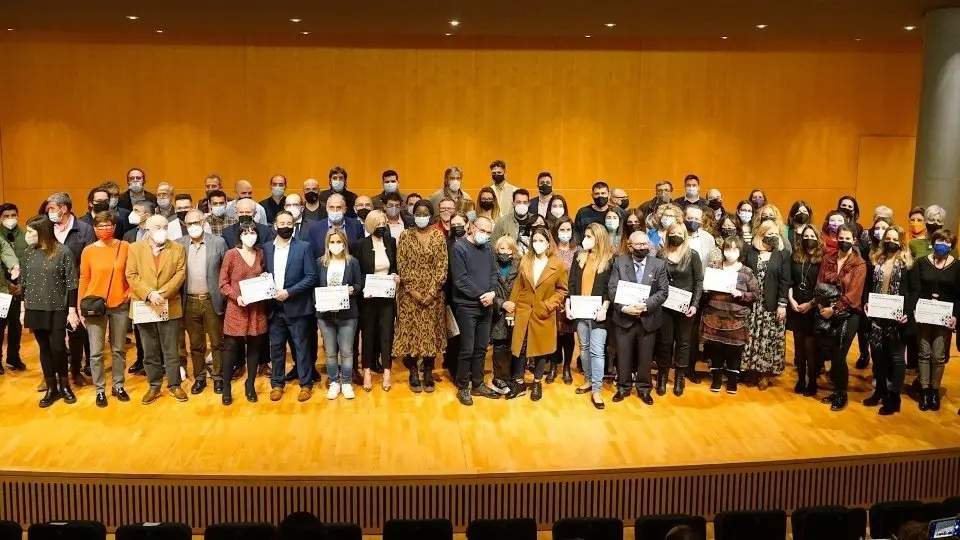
column 415, row 380
column 934, row 399
column 537, row 392
column 662, row 382
column 925, row 399
column 878, row 397
column 551, row 373
column 732, row 380
column 567, row 376
column 66, row 393
column 891, row 404
column 678, row 383
column 428, row 383
column 52, row 394
column 717, row 380
column 839, row 401
column 692, row 374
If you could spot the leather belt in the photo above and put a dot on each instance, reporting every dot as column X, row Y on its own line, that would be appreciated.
column 198, row 296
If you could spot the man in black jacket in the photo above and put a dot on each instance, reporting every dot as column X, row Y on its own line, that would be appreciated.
column 136, row 182
column 245, row 211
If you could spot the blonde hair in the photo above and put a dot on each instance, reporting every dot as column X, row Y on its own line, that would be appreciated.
column 663, row 209
column 602, row 249
column 878, row 256
column 373, row 220
column 510, row 243
column 757, row 217
column 683, row 250
column 327, row 256
column 760, row 231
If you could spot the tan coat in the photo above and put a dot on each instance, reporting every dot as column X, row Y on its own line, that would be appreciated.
column 145, row 277
column 537, row 304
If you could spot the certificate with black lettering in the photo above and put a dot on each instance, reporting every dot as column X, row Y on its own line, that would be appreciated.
column 258, row 289
column 678, row 300
column 585, row 307
column 885, row 306
column 631, row 294
column 375, row 286
column 933, row 312
column 146, row 312
column 715, row 279
column 332, row 298
column 5, row 300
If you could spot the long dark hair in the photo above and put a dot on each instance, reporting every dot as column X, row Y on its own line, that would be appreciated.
column 555, row 230
column 46, row 240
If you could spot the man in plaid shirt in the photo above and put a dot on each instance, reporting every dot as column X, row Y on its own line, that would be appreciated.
column 217, row 220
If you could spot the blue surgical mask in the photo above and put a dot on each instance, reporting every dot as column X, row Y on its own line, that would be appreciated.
column 421, row 221
column 54, row 216
column 113, row 202
column 390, row 187
column 471, row 216
column 564, row 236
column 218, row 211
column 745, row 216
column 481, row 238
column 941, row 250
column 277, row 191
column 337, row 185
column 335, row 217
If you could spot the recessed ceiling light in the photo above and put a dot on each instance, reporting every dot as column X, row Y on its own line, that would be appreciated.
column 857, row 40
column 587, row 36
column 295, row 20
column 448, row 34
column 909, row 28
column 723, row 37
column 9, row 29
column 132, row 17
column 159, row 31
column 761, row 26
column 304, row 33
column 610, row 24
column 454, row 23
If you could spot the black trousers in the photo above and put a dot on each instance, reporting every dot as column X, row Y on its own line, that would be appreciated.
column 53, row 353
column 634, row 348
column 235, row 349
column 564, row 354
column 863, row 337
column 79, row 345
column 474, row 323
column 835, row 349
column 136, row 339
column 805, row 355
column 377, row 317
column 13, row 329
column 723, row 356
column 502, row 358
column 888, row 363
column 519, row 363
column 674, row 340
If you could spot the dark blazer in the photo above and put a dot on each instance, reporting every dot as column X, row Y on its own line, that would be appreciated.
column 363, row 252
column 78, row 237
column 265, row 234
column 601, row 285
column 127, row 204
column 270, row 208
column 131, row 237
column 121, row 220
column 776, row 281
column 691, row 280
column 350, row 196
column 299, row 278
column 216, row 249
column 318, row 234
column 535, row 207
column 655, row 275
column 352, row 276
column 501, row 293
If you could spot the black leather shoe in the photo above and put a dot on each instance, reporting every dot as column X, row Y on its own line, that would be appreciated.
column 800, row 387
column 840, row 402
column 567, row 376
column 693, row 375
column 218, row 387
column 811, row 390
column 536, row 393
column 429, row 385
column 67, row 394
column 662, row 382
column 291, row 375
column 120, row 394
column 863, row 362
column 136, row 369
column 52, row 394
column 678, row 384
column 226, row 400
column 891, row 404
column 17, row 365
column 934, row 399
column 516, row 390
column 101, row 399
column 645, row 397
column 2, row 371
column 717, row 383
column 485, row 391
column 251, row 397
column 876, row 399
column 621, row 395
column 463, row 396
column 551, row 374
column 198, row 386
column 829, row 399
column 87, row 372
column 925, row 399
column 415, row 381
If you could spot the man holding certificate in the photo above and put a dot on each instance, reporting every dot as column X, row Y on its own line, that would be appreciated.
column 291, row 314
column 635, row 325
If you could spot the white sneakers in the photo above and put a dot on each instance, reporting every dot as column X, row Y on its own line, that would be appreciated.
column 337, row 388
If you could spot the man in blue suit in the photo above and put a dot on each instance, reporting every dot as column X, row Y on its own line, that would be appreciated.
column 336, row 218
column 245, row 211
column 294, row 270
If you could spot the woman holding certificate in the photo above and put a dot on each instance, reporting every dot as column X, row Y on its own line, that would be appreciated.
column 891, row 263
column 770, row 262
column 377, row 255
column 804, row 269
column 245, row 325
column 939, row 279
column 590, row 276
column 338, row 321
column 676, row 334
column 845, row 270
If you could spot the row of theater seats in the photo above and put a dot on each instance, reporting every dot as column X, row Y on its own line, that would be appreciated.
column 811, row 523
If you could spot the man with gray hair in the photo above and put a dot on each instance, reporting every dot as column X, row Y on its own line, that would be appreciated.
column 165, row 195
column 245, row 209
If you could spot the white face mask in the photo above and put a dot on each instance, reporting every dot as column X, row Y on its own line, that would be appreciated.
column 31, row 238
column 540, row 247
column 390, row 187
column 612, row 224
column 731, row 255
column 136, row 187
column 159, row 237
column 336, row 249
column 557, row 211
column 248, row 239
column 588, row 243
column 195, row 231
column 564, row 236
column 337, row 185
column 54, row 216
column 667, row 221
column 163, row 203
column 134, row 218
column 113, row 202
column 294, row 211
column 693, row 192
column 10, row 223
column 521, row 209
column 454, row 185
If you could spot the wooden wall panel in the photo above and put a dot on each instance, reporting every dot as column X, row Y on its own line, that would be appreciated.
column 885, row 176
column 73, row 114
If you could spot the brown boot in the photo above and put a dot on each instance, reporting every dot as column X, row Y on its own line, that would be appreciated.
column 306, row 392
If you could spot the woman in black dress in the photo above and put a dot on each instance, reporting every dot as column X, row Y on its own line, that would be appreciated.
column 804, row 269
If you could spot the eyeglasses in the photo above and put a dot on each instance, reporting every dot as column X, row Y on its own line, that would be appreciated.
column 134, row 178
column 104, row 226
column 192, row 223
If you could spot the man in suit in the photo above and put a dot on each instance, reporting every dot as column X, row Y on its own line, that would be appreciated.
column 636, row 325
column 293, row 203
column 156, row 269
column 275, row 202
column 245, row 211
column 336, row 219
column 136, row 180
column 122, row 213
column 98, row 200
column 294, row 270
column 137, row 219
column 203, row 305
column 541, row 203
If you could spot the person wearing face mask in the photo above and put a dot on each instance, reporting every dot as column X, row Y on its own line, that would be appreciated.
column 558, row 209
column 850, row 209
column 613, row 224
column 245, row 209
column 203, row 304
column 397, row 219
column 562, row 230
column 457, row 229
column 918, row 226
column 691, row 193
column 362, row 206
column 487, row 205
column 245, row 324
column 218, row 220
column 938, row 277
column 164, row 196
column 505, row 368
column 469, row 209
column 633, row 222
column 699, row 239
column 421, row 331
column 244, row 190
column 99, row 200
column 870, row 240
column 801, row 213
column 620, row 199
column 338, row 185
column 138, row 220
column 770, row 213
column 102, row 265
column 765, row 351
column 274, row 203
column 596, row 212
column 667, row 214
column 758, row 199
column 136, row 192
column 804, row 269
column 541, row 203
column 156, row 270
column 715, row 203
column 663, row 195
column 377, row 255
column 892, row 275
column 447, row 209
column 49, row 280
column 745, row 221
column 934, row 217
column 636, row 326
column 293, row 203
column 675, row 339
column 846, row 271
column 182, row 203
column 831, row 227
column 537, row 296
column 13, row 235
column 726, row 318
column 501, row 188
column 391, row 185
column 410, row 202
column 727, row 227
column 452, row 184
column 312, row 209
column 211, row 184
column 515, row 223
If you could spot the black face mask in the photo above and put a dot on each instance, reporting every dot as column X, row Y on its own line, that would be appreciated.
column 891, row 247
column 312, row 197
column 285, row 232
column 633, row 227
column 504, row 259
column 486, row 205
column 640, row 253
column 728, row 233
column 363, row 213
column 101, row 206
column 771, row 241
column 380, row 232
column 801, row 218
column 674, row 241
column 714, row 204
column 498, row 178
column 625, row 203
column 458, row 231
column 932, row 228
column 845, row 246
column 847, row 213
column 600, row 201
column 545, row 189
column 245, row 219
column 182, row 215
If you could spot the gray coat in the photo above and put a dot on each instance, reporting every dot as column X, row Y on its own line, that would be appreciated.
column 216, row 249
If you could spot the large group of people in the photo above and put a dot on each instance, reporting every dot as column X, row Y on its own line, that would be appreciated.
column 663, row 284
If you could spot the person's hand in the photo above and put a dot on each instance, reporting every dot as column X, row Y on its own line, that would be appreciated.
column 952, row 323
column 643, row 307
column 350, row 290
column 601, row 315
column 417, row 297
column 803, row 308
column 634, row 311
column 73, row 320
column 509, row 306
column 487, row 299
column 83, row 320
column 265, row 274
column 903, row 319
column 15, row 272
column 736, row 293
column 794, row 305
column 396, row 279
column 781, row 313
column 241, row 302
column 282, row 295
column 826, row 312
column 156, row 298
column 691, row 311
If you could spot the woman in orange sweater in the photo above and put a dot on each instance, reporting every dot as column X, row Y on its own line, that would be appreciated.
column 102, row 266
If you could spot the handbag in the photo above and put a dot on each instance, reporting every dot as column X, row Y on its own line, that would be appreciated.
column 96, row 306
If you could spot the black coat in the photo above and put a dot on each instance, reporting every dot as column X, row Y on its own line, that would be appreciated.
column 363, row 251
column 601, row 285
column 776, row 280
column 127, row 204
column 501, row 294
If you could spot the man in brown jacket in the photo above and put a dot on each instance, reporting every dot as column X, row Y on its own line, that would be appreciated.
column 155, row 271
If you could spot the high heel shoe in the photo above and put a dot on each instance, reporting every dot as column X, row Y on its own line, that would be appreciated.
column 877, row 398
column 385, row 383
column 367, row 380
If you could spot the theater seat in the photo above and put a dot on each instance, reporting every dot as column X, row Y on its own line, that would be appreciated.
column 502, row 529
column 657, row 527
column 240, row 531
column 751, row 525
column 10, row 530
column 952, row 506
column 829, row 523
column 300, row 526
column 67, row 530
column 887, row 517
column 341, row 531
column 588, row 529
column 154, row 531
column 420, row 529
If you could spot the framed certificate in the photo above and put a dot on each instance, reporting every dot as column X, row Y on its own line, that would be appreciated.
column 146, row 312
column 631, row 294
column 585, row 307
column 678, row 300
column 379, row 287
column 885, row 306
column 258, row 289
column 715, row 279
column 5, row 300
column 933, row 312
column 332, row 298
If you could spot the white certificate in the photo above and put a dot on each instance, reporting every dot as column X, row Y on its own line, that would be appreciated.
column 258, row 288
column 146, row 312
column 332, row 298
column 379, row 287
column 933, row 312
column 585, row 307
column 678, row 300
column 885, row 306
column 715, row 279
column 630, row 293
column 5, row 300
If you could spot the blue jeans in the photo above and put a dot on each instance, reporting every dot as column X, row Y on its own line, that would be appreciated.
column 338, row 337
column 593, row 340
